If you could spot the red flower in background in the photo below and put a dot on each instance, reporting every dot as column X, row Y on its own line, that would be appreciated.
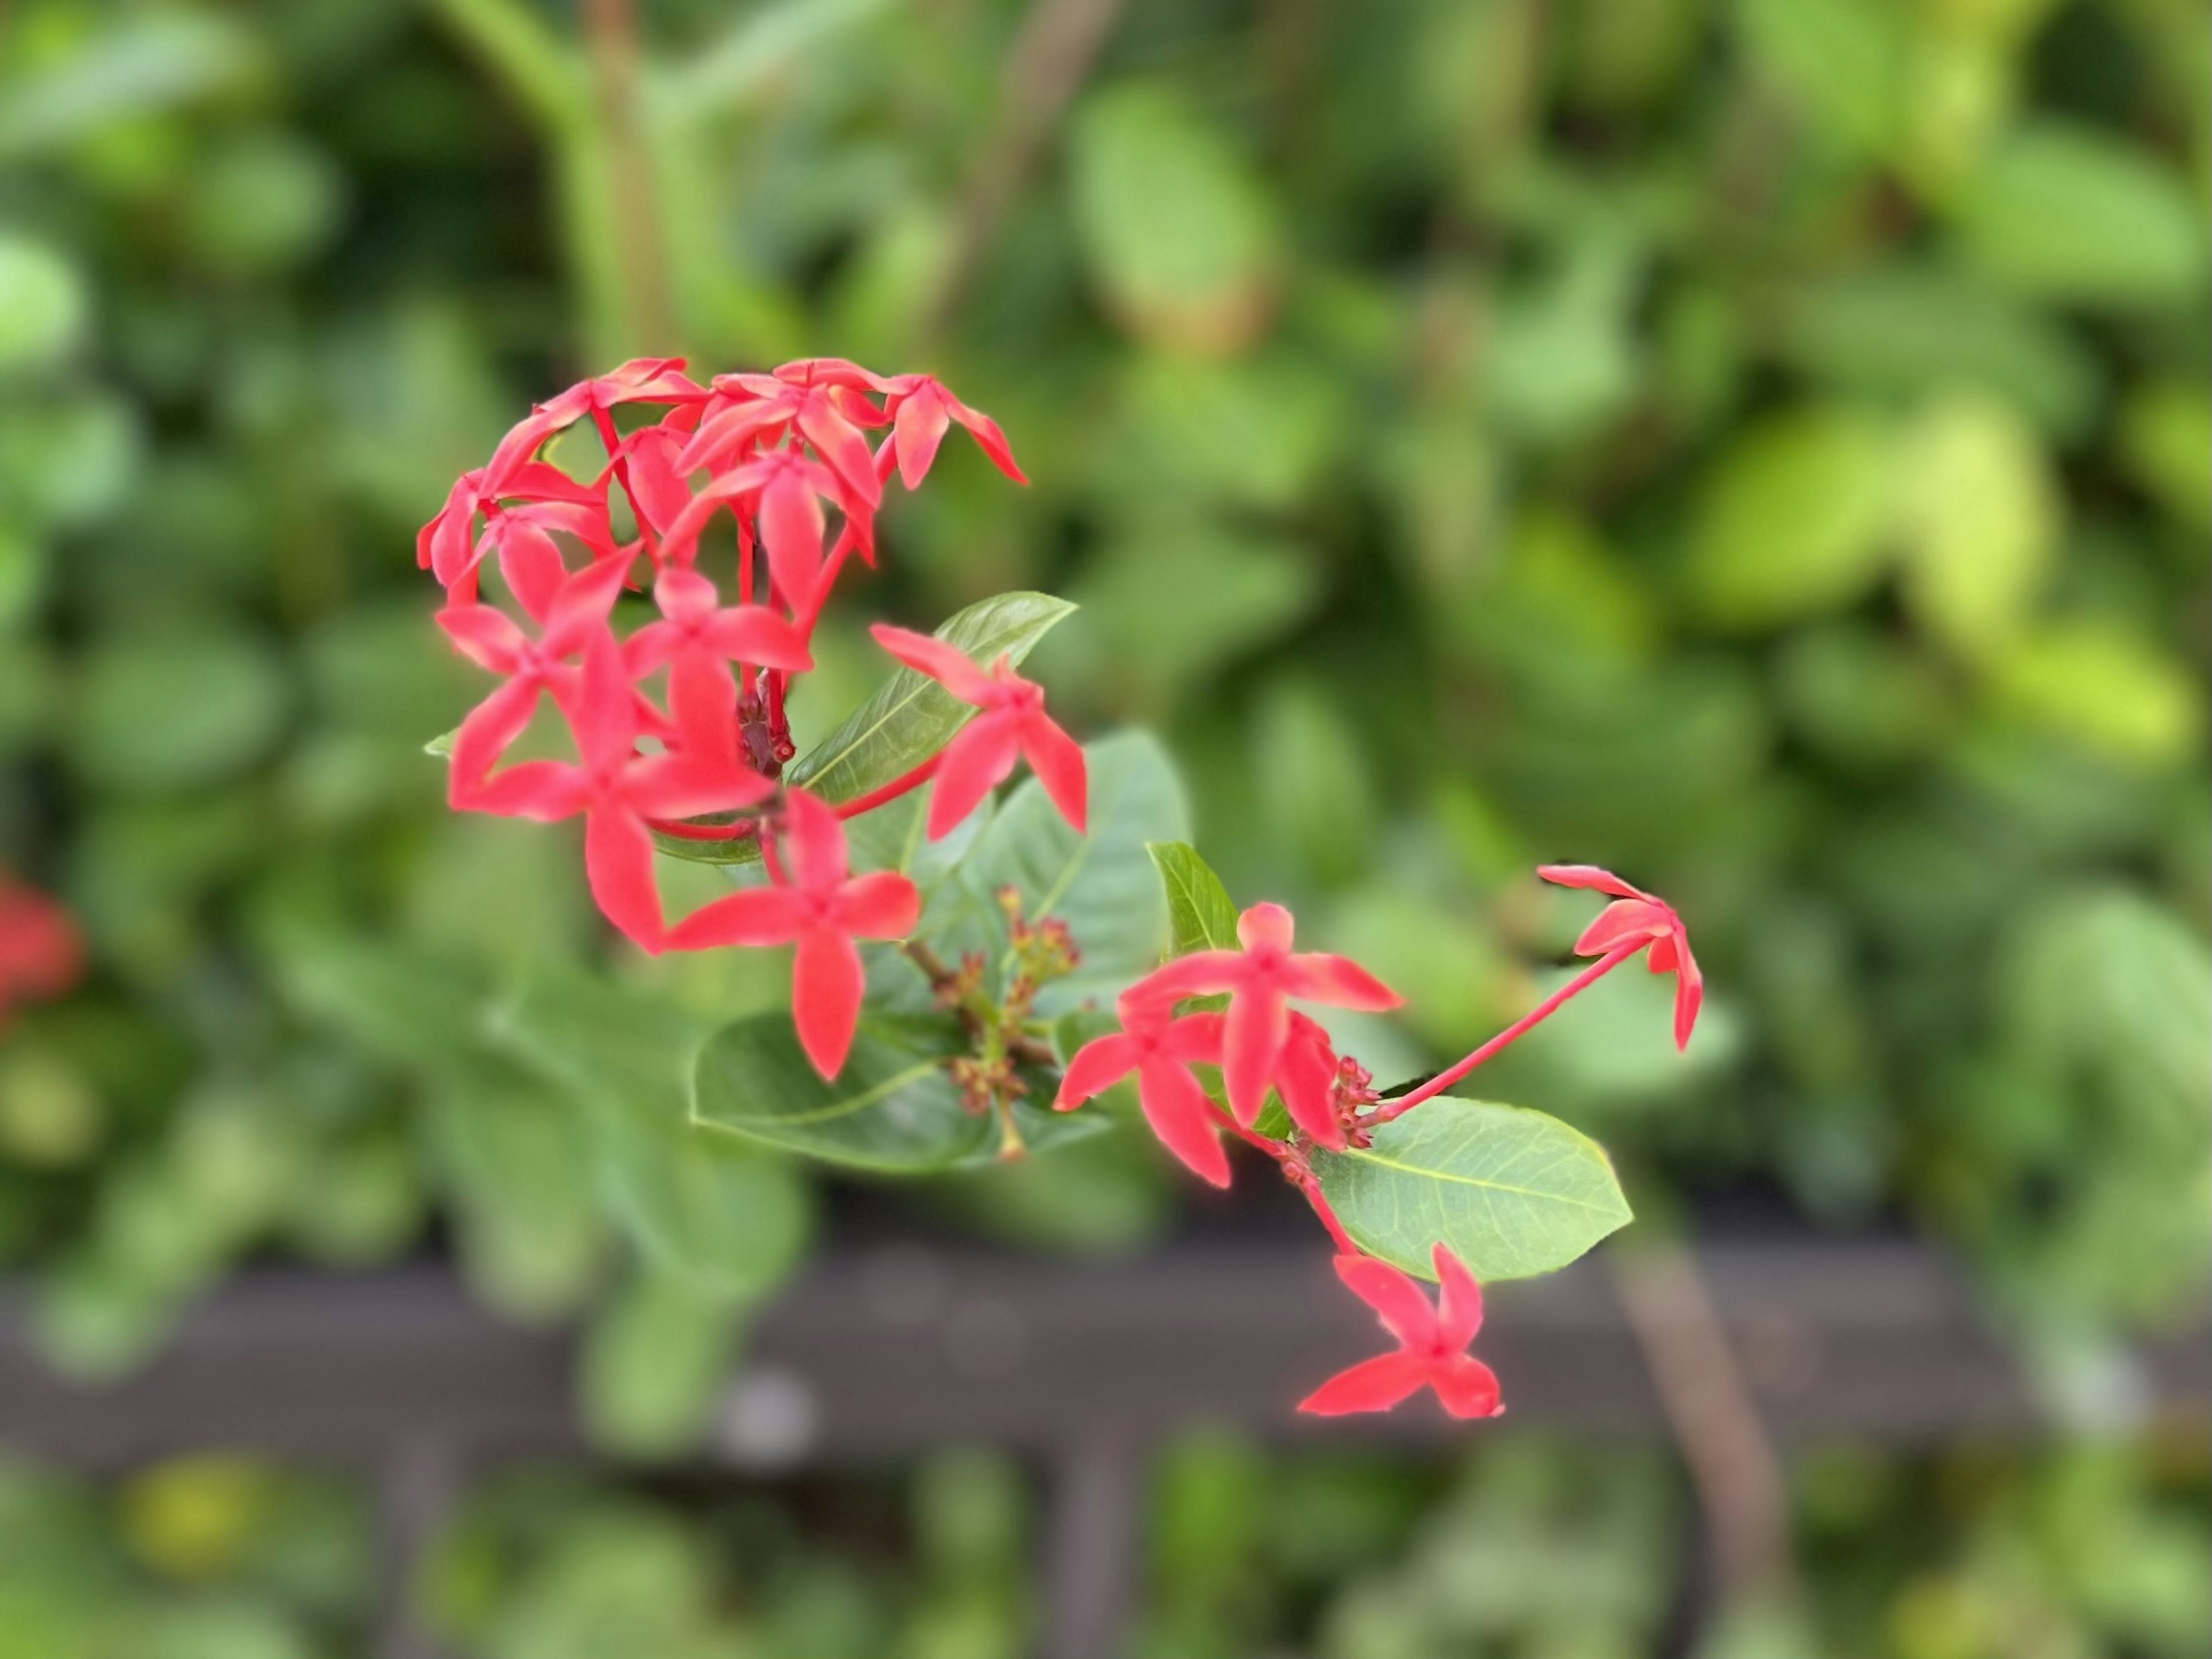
column 41, row 952
column 1636, row 915
column 1260, row 979
column 1161, row 1052
column 817, row 904
column 1431, row 1343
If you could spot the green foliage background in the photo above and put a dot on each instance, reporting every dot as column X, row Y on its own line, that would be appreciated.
column 1761, row 445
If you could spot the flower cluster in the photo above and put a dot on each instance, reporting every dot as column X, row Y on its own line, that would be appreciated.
column 41, row 952
column 684, row 717
column 1261, row 1044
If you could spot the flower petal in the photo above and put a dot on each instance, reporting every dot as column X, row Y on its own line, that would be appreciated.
column 1619, row 921
column 1689, row 991
column 974, row 763
column 1177, row 1110
column 791, row 529
column 1397, row 1299
column 483, row 737
column 812, row 842
column 1252, row 1042
column 826, row 984
column 546, row 791
column 1588, row 875
column 916, row 430
column 989, row 438
column 757, row 915
column 1195, row 1039
column 618, row 858
column 1467, row 1386
column 1265, row 923
column 1372, row 1385
column 755, row 634
column 1201, row 973
column 1459, row 1307
column 1304, row 1077
column 882, row 904
column 1097, row 1066
column 1338, row 981
column 940, row 659
column 1057, row 760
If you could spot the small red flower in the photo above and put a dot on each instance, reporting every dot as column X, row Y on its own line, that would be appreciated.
column 818, row 904
column 41, row 952
column 783, row 491
column 802, row 395
column 1431, row 1343
column 1634, row 914
column 1260, row 979
column 697, row 638
column 1013, row 723
column 1160, row 1051
column 620, row 791
column 922, row 409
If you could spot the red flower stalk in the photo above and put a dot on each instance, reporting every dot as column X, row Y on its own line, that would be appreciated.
column 1013, row 724
column 1431, row 1343
column 817, row 904
column 620, row 791
column 41, row 952
column 1635, row 916
column 1161, row 1052
column 1260, row 979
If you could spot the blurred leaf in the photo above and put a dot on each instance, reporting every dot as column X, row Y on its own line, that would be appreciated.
column 1982, row 519
column 2105, row 689
column 654, row 1362
column 140, row 63
column 1231, row 592
column 261, row 203
column 1201, row 916
column 43, row 305
column 2065, row 213
column 1180, row 234
column 1313, row 778
column 1792, row 520
column 1841, row 63
column 2166, row 439
column 893, row 1109
column 1512, row 1191
column 162, row 711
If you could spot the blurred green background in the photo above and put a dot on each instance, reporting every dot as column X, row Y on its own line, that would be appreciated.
column 1760, row 445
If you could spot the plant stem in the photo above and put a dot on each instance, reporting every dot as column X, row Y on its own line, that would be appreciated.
column 1299, row 1174
column 891, row 791
column 611, row 35
column 1392, row 1109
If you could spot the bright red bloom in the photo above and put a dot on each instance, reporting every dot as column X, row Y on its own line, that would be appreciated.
column 1013, row 723
column 1634, row 914
column 922, row 409
column 1431, row 1343
column 1260, row 979
column 804, row 396
column 1161, row 1052
column 41, row 952
column 783, row 492
column 1305, row 1077
column 620, row 791
column 575, row 612
column 697, row 638
column 818, row 904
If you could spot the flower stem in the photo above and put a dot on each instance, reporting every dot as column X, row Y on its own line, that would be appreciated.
column 1391, row 1110
column 1300, row 1175
column 891, row 791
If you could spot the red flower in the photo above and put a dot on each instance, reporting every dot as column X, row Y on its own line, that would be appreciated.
column 921, row 411
column 697, row 638
column 1306, row 1077
column 802, row 395
column 1013, row 722
column 1260, row 979
column 620, row 790
column 1431, row 1343
column 1637, row 914
column 41, row 952
column 1160, row 1051
column 488, row 637
column 817, row 904
column 784, row 491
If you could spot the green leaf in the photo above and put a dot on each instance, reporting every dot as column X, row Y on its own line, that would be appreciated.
column 654, row 1365
column 709, row 1208
column 1793, row 520
column 43, row 305
column 2062, row 212
column 172, row 709
column 1512, row 1193
column 893, row 1109
column 1102, row 885
column 910, row 718
column 1982, row 519
column 1200, row 914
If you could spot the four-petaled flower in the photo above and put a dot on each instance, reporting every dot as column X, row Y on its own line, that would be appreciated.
column 1161, row 1052
column 698, row 637
column 922, row 409
column 1013, row 723
column 817, row 904
column 621, row 790
column 1636, row 915
column 1431, row 1343
column 1260, row 980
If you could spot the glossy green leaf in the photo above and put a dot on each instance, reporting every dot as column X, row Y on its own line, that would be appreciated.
column 1513, row 1192
column 710, row 1208
column 1200, row 914
column 910, row 718
column 893, row 1109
